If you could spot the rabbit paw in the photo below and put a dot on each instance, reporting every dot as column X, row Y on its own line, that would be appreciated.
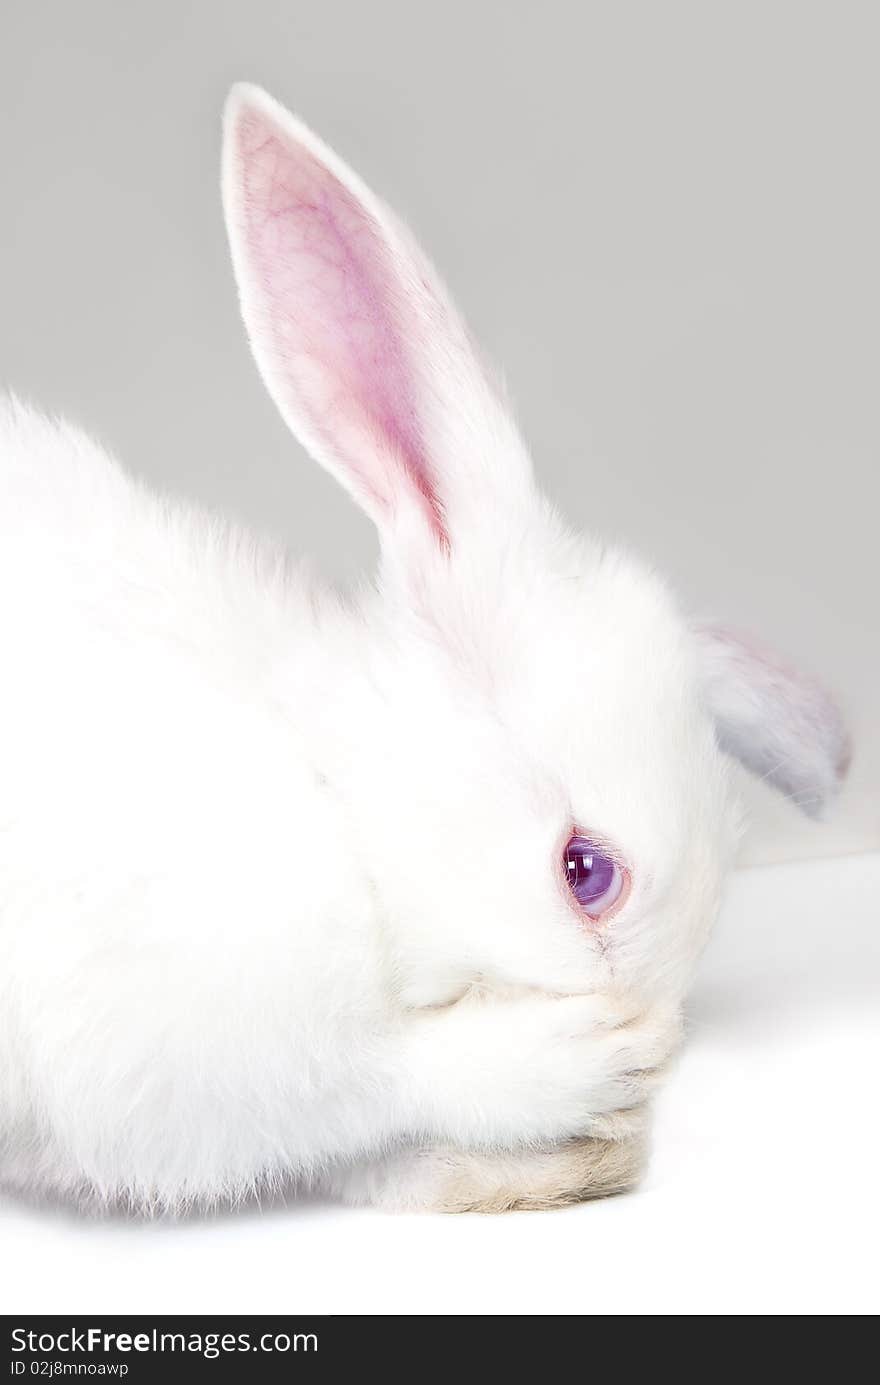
column 532, row 1069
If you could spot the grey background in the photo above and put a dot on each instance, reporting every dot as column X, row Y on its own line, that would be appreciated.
column 662, row 220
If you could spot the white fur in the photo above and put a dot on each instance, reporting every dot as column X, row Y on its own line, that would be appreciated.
column 279, row 889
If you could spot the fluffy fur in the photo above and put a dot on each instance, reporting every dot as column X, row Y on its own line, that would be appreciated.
column 280, row 891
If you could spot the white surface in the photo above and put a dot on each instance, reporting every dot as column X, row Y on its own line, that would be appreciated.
column 762, row 1197
column 661, row 220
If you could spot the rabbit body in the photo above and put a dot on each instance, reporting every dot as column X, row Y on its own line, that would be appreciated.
column 216, row 965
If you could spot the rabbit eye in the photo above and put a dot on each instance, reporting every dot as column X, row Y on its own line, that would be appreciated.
column 594, row 878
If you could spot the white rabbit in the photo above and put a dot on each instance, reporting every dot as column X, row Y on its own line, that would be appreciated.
column 398, row 897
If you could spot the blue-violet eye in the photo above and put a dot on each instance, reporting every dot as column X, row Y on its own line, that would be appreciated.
column 594, row 878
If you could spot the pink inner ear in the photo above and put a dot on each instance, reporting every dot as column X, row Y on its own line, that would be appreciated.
column 329, row 319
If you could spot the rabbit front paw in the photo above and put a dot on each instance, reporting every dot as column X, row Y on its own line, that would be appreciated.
column 446, row 1179
column 535, row 1068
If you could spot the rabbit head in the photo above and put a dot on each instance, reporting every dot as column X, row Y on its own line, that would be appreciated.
column 546, row 800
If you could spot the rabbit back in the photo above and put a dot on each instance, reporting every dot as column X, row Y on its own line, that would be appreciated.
column 180, row 906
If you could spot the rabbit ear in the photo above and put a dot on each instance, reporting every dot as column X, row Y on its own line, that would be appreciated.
column 354, row 337
column 779, row 723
